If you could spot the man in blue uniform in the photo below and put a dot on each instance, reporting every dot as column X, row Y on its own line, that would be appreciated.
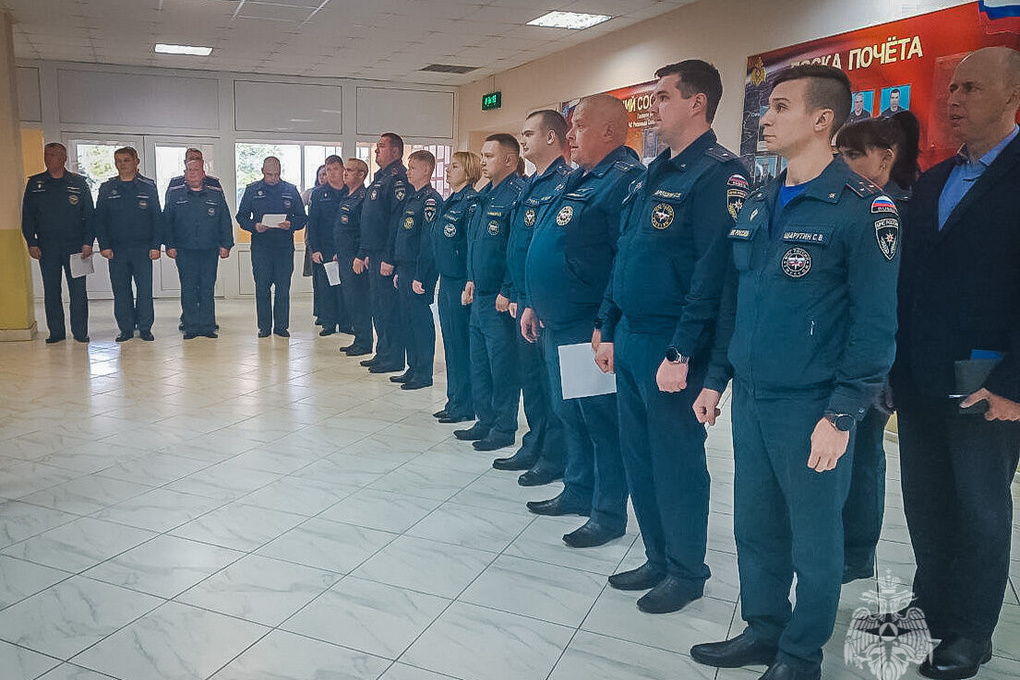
column 544, row 143
column 810, row 335
column 272, row 246
column 495, row 383
column 57, row 221
column 567, row 270
column 379, row 214
column 198, row 232
column 656, row 330
column 322, row 220
column 129, row 226
column 415, row 278
column 353, row 272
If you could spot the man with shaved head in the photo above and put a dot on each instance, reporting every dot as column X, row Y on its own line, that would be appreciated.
column 959, row 299
column 566, row 272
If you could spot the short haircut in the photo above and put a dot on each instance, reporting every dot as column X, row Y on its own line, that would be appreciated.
column 522, row 169
column 827, row 88
column 697, row 77
column 333, row 159
column 272, row 159
column 394, row 139
column 472, row 165
column 508, row 142
column 126, row 151
column 56, row 145
column 901, row 133
column 895, row 91
column 193, row 150
column 423, row 156
column 551, row 121
column 361, row 165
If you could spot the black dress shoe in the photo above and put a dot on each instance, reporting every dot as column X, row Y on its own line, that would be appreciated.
column 743, row 650
column 180, row 326
column 346, row 347
column 403, row 377
column 190, row 336
column 440, row 414
column 559, row 506
column 783, row 671
column 671, row 595
column 263, row 334
column 358, row 351
column 540, row 474
column 124, row 337
column 956, row 658
column 494, row 441
column 449, row 420
column 476, row 432
column 327, row 331
column 523, row 459
column 369, row 362
column 282, row 332
column 591, row 534
column 643, row 578
column 383, row 368
column 81, row 338
column 415, row 384
column 147, row 336
column 54, row 338
column 211, row 334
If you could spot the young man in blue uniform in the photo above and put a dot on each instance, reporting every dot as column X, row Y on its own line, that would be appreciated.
column 58, row 222
column 415, row 280
column 567, row 270
column 129, row 227
column 322, row 220
column 198, row 233
column 810, row 335
column 544, row 143
column 272, row 247
column 657, row 323
column 354, row 272
column 495, row 382
column 379, row 214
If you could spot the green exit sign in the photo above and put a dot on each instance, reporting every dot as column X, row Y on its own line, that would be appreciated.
column 492, row 100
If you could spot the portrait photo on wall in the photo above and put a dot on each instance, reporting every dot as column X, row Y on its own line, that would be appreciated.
column 894, row 100
column 863, row 106
column 766, row 167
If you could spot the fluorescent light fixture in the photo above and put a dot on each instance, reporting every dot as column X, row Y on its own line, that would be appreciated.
column 163, row 48
column 572, row 20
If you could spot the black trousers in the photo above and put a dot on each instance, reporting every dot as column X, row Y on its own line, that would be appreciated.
column 329, row 300
column 956, row 474
column 356, row 301
column 197, row 269
column 132, row 308
column 51, row 267
column 389, row 338
column 418, row 324
column 272, row 269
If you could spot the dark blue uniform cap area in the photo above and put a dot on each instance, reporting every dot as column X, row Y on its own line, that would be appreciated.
column 489, row 232
column 261, row 198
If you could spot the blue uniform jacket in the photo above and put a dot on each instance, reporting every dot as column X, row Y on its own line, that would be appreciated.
column 572, row 249
column 488, row 233
column 813, row 308
column 446, row 253
column 128, row 214
column 348, row 223
column 261, row 198
column 178, row 181
column 197, row 219
column 323, row 212
column 540, row 192
column 672, row 256
column 57, row 214
column 414, row 235
column 381, row 208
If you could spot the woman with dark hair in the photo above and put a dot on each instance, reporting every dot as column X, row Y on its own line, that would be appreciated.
column 883, row 150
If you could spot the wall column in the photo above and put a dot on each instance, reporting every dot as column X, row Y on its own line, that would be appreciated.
column 17, row 309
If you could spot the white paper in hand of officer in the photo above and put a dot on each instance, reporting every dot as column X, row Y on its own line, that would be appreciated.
column 80, row 267
column 273, row 220
column 580, row 375
column 332, row 272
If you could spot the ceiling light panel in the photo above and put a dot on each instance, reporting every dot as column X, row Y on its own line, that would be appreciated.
column 192, row 50
column 572, row 20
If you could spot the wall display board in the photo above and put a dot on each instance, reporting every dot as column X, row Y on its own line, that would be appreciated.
column 640, row 136
column 904, row 64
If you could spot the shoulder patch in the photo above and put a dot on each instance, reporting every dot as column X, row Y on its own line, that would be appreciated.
column 430, row 209
column 887, row 232
column 883, row 204
column 738, row 182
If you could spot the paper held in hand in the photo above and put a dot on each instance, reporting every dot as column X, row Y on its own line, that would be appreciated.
column 273, row 220
column 81, row 267
column 580, row 376
column 332, row 272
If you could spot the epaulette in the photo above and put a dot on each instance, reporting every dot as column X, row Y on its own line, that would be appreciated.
column 862, row 187
column 719, row 153
column 177, row 187
column 145, row 180
column 213, row 187
column 627, row 165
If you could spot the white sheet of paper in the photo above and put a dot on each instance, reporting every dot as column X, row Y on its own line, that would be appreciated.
column 579, row 374
column 332, row 272
column 272, row 220
column 80, row 267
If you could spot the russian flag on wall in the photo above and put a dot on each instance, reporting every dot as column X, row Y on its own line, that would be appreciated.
column 996, row 9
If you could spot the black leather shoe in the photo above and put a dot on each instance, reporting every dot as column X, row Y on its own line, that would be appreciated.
column 415, row 384
column 180, row 326
column 190, row 336
column 540, row 474
column 383, row 368
column 146, row 336
column 211, row 334
column 357, row 351
column 327, row 331
column 783, row 671
column 282, row 332
column 521, row 460
column 494, row 442
column 476, row 432
column 671, row 595
column 591, row 534
column 54, row 339
column 449, row 420
column 643, row 578
column 346, row 347
column 124, row 337
column 404, row 377
column 440, row 414
column 742, row 650
column 369, row 362
column 81, row 338
column 263, row 334
column 956, row 658
column 559, row 506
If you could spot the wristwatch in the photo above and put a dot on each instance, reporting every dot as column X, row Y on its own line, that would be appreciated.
column 844, row 422
column 674, row 356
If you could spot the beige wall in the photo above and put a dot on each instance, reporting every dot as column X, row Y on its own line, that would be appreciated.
column 724, row 32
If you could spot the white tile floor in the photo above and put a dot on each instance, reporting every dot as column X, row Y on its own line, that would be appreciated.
column 245, row 509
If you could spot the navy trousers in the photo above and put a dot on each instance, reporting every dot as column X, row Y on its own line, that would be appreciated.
column 53, row 267
column 544, row 438
column 389, row 350
column 355, row 289
column 132, row 308
column 273, row 269
column 454, row 321
column 331, row 299
column 865, row 504
column 495, row 382
column 418, row 323
column 197, row 269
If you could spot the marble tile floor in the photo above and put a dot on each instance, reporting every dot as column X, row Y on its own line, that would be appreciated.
column 245, row 509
